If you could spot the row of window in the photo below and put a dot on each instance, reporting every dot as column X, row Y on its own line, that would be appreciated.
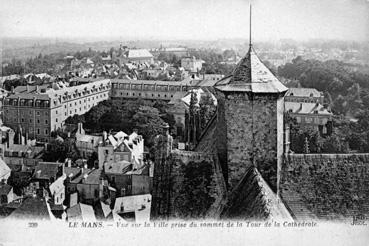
column 302, row 100
column 30, row 112
column 145, row 87
column 139, row 94
column 310, row 120
column 86, row 100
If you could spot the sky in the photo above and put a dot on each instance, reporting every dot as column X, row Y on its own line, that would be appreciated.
column 186, row 19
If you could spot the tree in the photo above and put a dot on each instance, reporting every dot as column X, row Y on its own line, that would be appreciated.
column 148, row 122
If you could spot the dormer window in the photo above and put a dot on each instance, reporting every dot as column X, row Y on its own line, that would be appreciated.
column 311, row 94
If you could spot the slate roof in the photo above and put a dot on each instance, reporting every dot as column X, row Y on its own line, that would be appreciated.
column 93, row 177
column 46, row 170
column 251, row 75
column 303, row 92
column 296, row 205
column 32, row 208
column 4, row 169
column 306, row 108
column 119, row 167
column 253, row 199
column 81, row 212
column 139, row 53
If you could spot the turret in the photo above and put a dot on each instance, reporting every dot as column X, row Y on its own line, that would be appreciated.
column 250, row 113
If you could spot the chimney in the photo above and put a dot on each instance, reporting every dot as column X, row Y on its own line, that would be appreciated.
column 27, row 87
column 12, row 89
column 105, row 137
column 79, row 126
column 11, row 136
column 37, row 89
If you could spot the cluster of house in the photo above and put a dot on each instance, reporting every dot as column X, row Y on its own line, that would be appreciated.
column 141, row 64
column 117, row 187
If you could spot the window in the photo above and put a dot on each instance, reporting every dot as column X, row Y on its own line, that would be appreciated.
column 38, row 130
column 46, row 131
column 30, row 120
column 38, row 113
column 38, row 121
column 46, row 122
column 324, row 130
column 22, row 120
column 56, row 112
column 56, row 120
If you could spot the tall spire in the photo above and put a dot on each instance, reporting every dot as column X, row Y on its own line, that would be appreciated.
column 250, row 26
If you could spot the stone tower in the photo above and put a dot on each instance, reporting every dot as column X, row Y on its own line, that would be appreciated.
column 250, row 118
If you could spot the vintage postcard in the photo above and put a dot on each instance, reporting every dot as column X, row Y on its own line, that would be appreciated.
column 173, row 122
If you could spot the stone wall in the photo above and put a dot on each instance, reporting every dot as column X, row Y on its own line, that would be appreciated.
column 254, row 127
column 330, row 186
column 187, row 172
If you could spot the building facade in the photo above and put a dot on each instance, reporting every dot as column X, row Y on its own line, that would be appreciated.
column 149, row 89
column 306, row 106
column 39, row 110
column 192, row 64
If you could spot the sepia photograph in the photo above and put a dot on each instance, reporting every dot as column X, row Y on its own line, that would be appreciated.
column 183, row 122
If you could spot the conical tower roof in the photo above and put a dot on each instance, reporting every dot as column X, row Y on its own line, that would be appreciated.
column 251, row 75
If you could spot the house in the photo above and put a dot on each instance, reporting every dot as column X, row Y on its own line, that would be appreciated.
column 18, row 155
column 306, row 106
column 47, row 173
column 304, row 95
column 136, row 57
column 90, row 186
column 6, row 193
column 125, row 180
column 133, row 208
column 191, row 64
column 86, row 144
column 122, row 146
column 57, row 190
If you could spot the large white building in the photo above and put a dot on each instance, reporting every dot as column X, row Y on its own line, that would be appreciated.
column 39, row 110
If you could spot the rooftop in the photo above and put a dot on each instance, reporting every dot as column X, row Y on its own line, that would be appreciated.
column 81, row 212
column 303, row 92
column 46, row 170
column 251, row 75
column 119, row 167
column 32, row 208
column 5, row 189
column 253, row 199
column 139, row 53
column 155, row 82
column 306, row 108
